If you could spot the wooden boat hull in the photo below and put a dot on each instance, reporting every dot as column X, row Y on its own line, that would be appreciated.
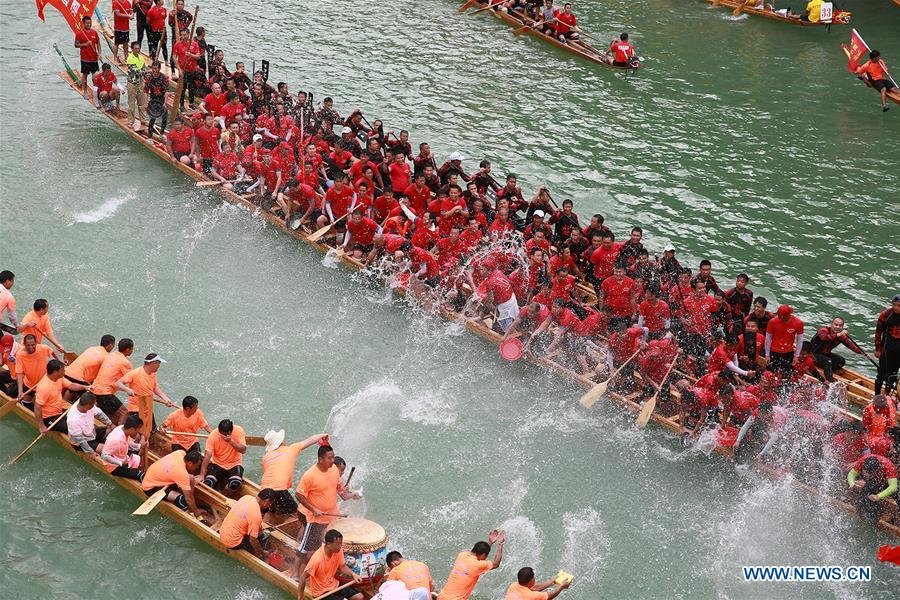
column 587, row 52
column 768, row 14
column 476, row 326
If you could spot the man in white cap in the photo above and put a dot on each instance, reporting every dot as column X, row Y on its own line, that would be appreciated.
column 278, row 469
column 142, row 388
column 395, row 590
column 669, row 267
column 452, row 165
column 349, row 142
column 538, row 224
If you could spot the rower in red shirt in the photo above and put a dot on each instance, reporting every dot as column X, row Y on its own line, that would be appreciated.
column 122, row 14
column 399, row 173
column 697, row 319
column 566, row 25
column 227, row 167
column 231, row 108
column 653, row 315
column 180, row 142
column 339, row 199
column 361, row 231
column 88, row 43
column 214, row 102
column 617, row 293
column 569, row 332
column 207, row 136
column 418, row 195
column 501, row 225
column 604, row 257
column 107, row 90
column 784, row 340
column 622, row 52
column 156, row 25
column 471, row 235
column 876, row 72
column 497, row 290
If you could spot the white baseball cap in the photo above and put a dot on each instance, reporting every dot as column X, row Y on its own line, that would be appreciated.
column 257, row 137
column 456, row 156
column 152, row 358
column 539, row 213
column 669, row 248
column 346, row 130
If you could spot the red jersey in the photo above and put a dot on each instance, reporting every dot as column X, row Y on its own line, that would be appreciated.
column 533, row 322
column 104, row 81
column 887, row 471
column 499, row 228
column 423, row 237
column 418, row 199
column 181, row 139
column 363, row 232
column 121, row 23
column 617, row 295
column 878, row 422
column 562, row 287
column 655, row 315
column 719, row 358
column 558, row 261
column 419, row 257
column 341, row 158
column 214, row 104
column 88, row 53
column 498, row 283
column 393, row 242
column 568, row 320
column 383, row 208
column 604, row 259
column 399, row 176
column 470, row 238
column 156, row 18
column 622, row 51
column 699, row 312
column 449, row 252
column 564, row 21
column 270, row 174
column 783, row 333
column 226, row 164
column 653, row 366
column 180, row 51
column 847, row 449
column 340, row 201
column 208, row 140
column 229, row 110
column 302, row 194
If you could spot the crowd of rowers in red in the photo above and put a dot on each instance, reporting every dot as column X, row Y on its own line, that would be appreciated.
column 76, row 395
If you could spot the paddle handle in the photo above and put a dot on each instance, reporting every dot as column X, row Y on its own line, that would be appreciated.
column 38, row 438
column 647, row 410
column 202, row 435
column 866, row 354
column 330, row 592
column 622, row 366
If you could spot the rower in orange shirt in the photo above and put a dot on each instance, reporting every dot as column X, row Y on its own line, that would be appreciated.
column 414, row 574
column 321, row 569
column 83, row 370
column 188, row 419
column 876, row 72
column 37, row 322
column 317, row 494
column 174, row 472
column 31, row 365
column 115, row 366
column 526, row 588
column 278, row 469
column 48, row 402
column 879, row 416
column 470, row 566
column 223, row 461
column 241, row 528
column 142, row 382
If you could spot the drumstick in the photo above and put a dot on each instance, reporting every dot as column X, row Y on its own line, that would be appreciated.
column 349, row 477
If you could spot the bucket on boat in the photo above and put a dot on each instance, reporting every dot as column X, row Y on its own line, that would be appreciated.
column 511, row 348
column 276, row 560
column 365, row 548
column 727, row 436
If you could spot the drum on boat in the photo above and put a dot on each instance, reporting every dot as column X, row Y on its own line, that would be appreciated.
column 365, row 547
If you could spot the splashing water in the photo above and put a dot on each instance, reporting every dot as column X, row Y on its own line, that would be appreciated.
column 104, row 211
column 586, row 545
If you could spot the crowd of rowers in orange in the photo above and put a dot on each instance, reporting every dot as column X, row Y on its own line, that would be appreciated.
column 76, row 395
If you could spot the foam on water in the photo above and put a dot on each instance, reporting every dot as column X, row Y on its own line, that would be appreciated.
column 104, row 211
column 586, row 545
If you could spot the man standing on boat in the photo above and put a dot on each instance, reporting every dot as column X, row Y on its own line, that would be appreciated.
column 88, row 43
column 470, row 566
column 122, row 14
column 137, row 102
column 317, row 493
column 784, row 339
column 876, row 72
column 278, row 469
column 887, row 343
column 7, row 300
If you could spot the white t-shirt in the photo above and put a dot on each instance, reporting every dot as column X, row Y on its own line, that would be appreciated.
column 81, row 424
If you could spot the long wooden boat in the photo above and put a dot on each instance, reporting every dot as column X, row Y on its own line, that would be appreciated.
column 579, row 48
column 893, row 95
column 770, row 14
column 479, row 326
column 280, row 541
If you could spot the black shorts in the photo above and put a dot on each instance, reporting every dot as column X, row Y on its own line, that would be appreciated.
column 883, row 84
column 93, row 445
column 121, row 37
column 128, row 473
column 194, row 446
column 217, row 477
column 180, row 501
column 89, row 67
column 109, row 404
column 284, row 503
column 244, row 545
column 618, row 63
column 365, row 249
column 344, row 594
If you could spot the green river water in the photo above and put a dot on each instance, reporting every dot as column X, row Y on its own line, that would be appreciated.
column 743, row 141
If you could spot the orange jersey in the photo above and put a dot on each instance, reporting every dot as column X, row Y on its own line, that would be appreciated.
column 168, row 470
column 48, row 395
column 141, row 383
column 412, row 573
column 177, row 421
column 875, row 70
column 463, row 577
column 244, row 518
column 278, row 467
column 516, row 591
column 33, row 366
column 114, row 367
column 87, row 365
column 42, row 326
column 223, row 453
column 321, row 490
column 321, row 569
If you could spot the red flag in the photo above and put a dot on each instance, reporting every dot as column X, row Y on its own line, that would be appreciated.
column 889, row 554
column 858, row 48
column 72, row 10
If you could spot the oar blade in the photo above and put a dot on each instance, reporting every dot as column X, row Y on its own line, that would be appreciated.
column 646, row 411
column 70, row 357
column 315, row 236
column 469, row 4
column 594, row 394
column 254, row 440
column 150, row 503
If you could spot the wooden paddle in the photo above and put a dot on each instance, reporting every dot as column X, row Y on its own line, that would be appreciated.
column 488, row 7
column 150, row 503
column 7, row 408
column 650, row 405
column 866, row 354
column 251, row 440
column 314, row 237
column 39, row 437
column 214, row 183
column 738, row 10
column 469, row 4
column 350, row 476
column 9, row 329
column 330, row 592
column 594, row 394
